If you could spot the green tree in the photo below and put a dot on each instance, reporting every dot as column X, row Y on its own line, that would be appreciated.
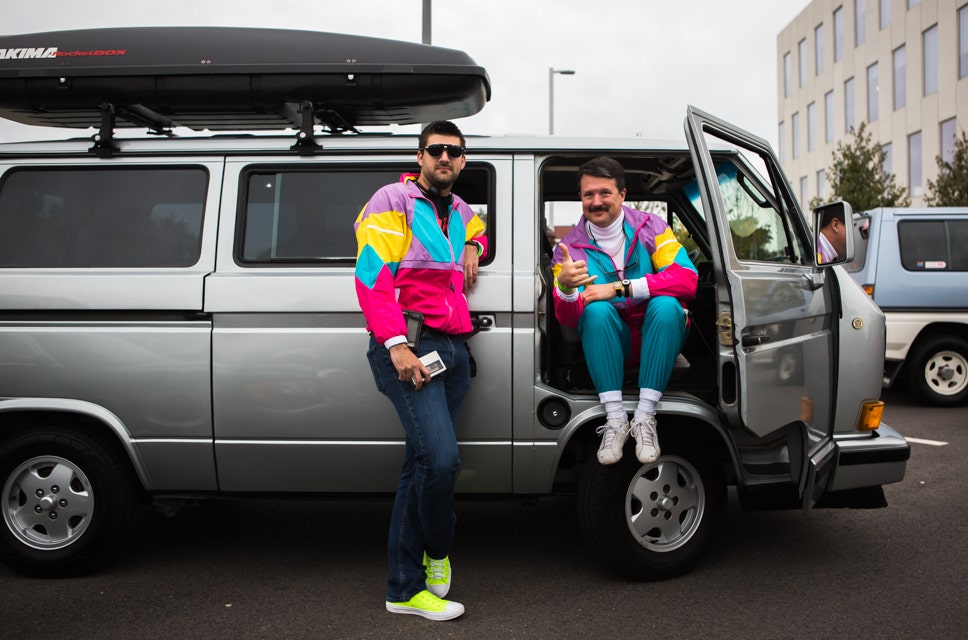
column 857, row 175
column 951, row 187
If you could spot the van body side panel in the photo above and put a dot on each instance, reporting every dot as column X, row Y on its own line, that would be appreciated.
column 129, row 339
column 296, row 407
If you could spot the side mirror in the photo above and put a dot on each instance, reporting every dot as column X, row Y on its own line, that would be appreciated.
column 833, row 233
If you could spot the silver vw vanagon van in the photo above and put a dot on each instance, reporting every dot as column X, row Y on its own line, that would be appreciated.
column 178, row 314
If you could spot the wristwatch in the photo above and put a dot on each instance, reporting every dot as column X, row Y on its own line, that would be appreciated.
column 623, row 287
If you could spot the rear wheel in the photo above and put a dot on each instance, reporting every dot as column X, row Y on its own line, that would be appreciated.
column 67, row 501
column 652, row 521
column 937, row 370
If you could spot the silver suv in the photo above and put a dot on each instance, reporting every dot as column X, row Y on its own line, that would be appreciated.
column 914, row 264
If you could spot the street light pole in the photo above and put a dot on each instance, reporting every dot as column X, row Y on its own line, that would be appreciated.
column 427, row 21
column 551, row 94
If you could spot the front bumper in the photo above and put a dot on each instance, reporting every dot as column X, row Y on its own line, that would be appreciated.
column 871, row 461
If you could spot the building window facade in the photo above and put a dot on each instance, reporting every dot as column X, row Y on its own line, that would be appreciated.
column 838, row 34
column 821, row 185
column 860, row 22
column 914, row 163
column 828, row 116
column 849, row 105
column 802, row 49
column 811, row 126
column 949, row 136
column 930, row 44
column 900, row 77
column 963, row 42
column 885, row 17
column 888, row 164
column 818, row 48
column 795, row 124
column 781, row 144
column 872, row 92
column 787, row 72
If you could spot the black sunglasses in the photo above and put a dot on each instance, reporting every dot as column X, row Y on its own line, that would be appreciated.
column 437, row 150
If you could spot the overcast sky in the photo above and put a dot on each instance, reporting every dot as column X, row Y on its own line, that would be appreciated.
column 637, row 63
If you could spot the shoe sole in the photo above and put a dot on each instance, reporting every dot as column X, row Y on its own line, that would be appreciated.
column 429, row 615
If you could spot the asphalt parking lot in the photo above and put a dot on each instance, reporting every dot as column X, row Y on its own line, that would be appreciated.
column 308, row 569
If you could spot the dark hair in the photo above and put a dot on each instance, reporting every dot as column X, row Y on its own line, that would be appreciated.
column 603, row 167
column 830, row 214
column 441, row 128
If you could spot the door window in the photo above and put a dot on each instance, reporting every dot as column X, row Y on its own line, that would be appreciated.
column 298, row 215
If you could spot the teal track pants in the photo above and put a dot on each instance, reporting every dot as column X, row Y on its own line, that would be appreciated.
column 607, row 343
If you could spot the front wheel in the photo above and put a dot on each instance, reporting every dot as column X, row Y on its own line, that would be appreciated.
column 938, row 371
column 652, row 521
column 67, row 501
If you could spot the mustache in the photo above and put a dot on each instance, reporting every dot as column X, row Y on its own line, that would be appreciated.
column 597, row 208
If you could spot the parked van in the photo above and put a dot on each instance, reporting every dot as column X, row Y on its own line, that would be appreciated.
column 178, row 314
column 914, row 264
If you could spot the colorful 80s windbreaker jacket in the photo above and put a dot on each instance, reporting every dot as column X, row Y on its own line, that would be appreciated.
column 404, row 261
column 655, row 254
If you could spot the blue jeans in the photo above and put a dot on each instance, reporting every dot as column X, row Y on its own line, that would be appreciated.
column 423, row 516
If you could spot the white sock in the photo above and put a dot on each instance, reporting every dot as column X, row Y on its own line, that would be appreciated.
column 614, row 409
column 647, row 400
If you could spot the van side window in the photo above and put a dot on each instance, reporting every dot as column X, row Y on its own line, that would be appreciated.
column 304, row 215
column 933, row 245
column 105, row 217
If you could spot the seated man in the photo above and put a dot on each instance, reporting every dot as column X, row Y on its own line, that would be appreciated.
column 622, row 279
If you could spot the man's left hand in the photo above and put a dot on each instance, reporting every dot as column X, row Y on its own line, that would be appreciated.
column 471, row 260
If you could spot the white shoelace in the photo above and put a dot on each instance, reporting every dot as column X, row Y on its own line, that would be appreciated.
column 436, row 569
column 608, row 431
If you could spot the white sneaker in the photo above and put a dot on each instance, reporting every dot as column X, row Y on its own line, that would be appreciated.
column 646, row 439
column 614, row 434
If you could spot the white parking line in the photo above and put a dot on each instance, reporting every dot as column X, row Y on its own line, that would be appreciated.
column 933, row 443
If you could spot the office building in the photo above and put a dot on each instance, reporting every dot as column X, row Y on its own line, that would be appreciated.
column 901, row 66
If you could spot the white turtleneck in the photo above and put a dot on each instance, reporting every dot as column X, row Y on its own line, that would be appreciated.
column 611, row 239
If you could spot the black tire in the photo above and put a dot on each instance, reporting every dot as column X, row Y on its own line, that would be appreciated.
column 67, row 501
column 937, row 371
column 650, row 522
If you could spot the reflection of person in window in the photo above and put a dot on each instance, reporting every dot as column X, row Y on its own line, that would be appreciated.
column 832, row 240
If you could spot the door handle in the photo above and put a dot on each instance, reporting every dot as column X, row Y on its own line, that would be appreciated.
column 755, row 339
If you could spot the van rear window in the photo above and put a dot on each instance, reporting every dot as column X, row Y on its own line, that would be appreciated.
column 934, row 245
column 75, row 217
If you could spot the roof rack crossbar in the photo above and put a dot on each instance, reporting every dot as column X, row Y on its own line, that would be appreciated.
column 141, row 115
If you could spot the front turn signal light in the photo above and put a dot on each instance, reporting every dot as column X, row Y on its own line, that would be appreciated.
column 870, row 415
column 869, row 289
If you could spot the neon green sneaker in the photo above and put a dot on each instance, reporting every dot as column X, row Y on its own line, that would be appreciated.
column 429, row 606
column 438, row 575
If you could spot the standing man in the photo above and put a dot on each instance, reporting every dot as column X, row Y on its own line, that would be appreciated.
column 623, row 280
column 418, row 244
column 832, row 241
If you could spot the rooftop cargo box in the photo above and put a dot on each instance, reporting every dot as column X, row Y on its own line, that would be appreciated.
column 224, row 78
